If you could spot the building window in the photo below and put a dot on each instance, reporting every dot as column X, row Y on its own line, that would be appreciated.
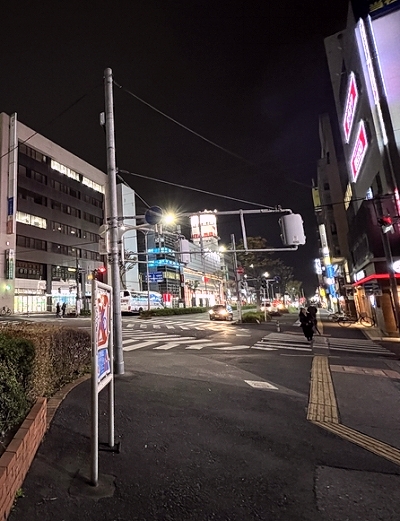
column 32, row 196
column 30, row 152
column 32, row 220
column 55, row 165
column 93, row 185
column 62, row 273
column 65, row 208
column 92, row 218
column 62, row 249
column 31, row 243
column 29, row 270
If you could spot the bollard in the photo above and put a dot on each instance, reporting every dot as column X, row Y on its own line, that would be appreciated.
column 278, row 326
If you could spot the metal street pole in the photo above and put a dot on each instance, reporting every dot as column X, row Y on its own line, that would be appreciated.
column 113, row 222
column 146, row 247
column 77, row 277
column 235, row 267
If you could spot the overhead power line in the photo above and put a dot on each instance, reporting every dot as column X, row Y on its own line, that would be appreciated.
column 126, row 172
column 59, row 115
column 182, row 125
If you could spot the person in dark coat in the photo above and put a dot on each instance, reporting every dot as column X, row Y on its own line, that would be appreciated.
column 63, row 308
column 306, row 323
column 312, row 310
column 58, row 309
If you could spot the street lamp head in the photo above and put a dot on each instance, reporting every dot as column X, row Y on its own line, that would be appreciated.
column 266, row 274
column 169, row 218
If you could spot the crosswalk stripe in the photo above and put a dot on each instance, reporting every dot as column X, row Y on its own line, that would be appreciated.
column 231, row 348
column 200, row 346
column 176, row 343
column 281, row 346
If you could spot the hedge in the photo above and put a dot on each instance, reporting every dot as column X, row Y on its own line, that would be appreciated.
column 37, row 359
column 171, row 311
column 255, row 317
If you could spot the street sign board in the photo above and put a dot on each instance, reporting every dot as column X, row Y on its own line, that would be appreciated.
column 153, row 215
column 155, row 277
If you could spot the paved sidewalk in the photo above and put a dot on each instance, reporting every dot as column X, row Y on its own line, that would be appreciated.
column 176, row 465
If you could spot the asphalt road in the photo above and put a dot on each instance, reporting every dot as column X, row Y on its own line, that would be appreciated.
column 208, row 434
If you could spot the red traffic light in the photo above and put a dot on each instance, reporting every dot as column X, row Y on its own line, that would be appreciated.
column 102, row 269
column 386, row 222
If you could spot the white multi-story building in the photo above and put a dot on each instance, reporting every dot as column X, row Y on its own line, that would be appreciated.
column 52, row 204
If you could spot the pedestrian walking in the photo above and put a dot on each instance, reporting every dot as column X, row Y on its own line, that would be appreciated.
column 63, row 308
column 307, row 324
column 312, row 310
column 58, row 309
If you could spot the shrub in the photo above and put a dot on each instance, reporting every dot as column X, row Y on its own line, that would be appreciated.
column 13, row 400
column 171, row 311
column 17, row 354
column 61, row 354
column 255, row 317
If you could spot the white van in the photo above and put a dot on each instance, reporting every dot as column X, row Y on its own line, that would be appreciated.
column 138, row 301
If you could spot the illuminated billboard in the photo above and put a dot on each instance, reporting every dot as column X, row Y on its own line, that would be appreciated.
column 359, row 151
column 204, row 225
column 350, row 107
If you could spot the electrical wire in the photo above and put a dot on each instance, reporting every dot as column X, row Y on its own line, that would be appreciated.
column 59, row 115
column 126, row 172
column 137, row 195
column 182, row 125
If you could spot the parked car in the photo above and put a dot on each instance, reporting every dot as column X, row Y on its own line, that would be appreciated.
column 221, row 312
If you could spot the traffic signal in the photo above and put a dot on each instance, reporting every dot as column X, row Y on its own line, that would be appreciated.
column 264, row 282
column 386, row 223
column 99, row 273
column 292, row 229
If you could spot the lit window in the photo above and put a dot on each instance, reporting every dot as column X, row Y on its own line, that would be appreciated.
column 32, row 220
column 55, row 165
column 93, row 185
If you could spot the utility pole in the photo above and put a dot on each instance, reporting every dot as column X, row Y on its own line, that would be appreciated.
column 119, row 367
column 235, row 267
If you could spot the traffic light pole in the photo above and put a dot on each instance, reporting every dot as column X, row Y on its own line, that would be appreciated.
column 119, row 367
column 235, row 267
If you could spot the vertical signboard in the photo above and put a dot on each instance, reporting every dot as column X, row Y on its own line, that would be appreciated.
column 350, row 108
column 102, row 369
column 12, row 175
column 359, row 151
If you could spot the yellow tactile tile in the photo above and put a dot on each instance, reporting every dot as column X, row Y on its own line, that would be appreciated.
column 323, row 410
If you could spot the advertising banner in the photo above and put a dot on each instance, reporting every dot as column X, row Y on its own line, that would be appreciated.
column 101, row 337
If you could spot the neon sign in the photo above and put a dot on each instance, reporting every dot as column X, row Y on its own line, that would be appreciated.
column 350, row 108
column 359, row 151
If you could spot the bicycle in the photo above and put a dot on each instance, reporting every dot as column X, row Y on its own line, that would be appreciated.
column 5, row 310
column 347, row 320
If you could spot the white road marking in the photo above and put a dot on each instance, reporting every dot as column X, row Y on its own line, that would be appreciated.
column 200, row 346
column 261, row 385
column 232, row 348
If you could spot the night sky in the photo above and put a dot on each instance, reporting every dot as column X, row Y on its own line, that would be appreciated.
column 250, row 77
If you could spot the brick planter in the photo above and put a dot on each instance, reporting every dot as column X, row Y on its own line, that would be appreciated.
column 16, row 460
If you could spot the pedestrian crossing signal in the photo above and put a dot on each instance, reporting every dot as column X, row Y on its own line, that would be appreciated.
column 292, row 230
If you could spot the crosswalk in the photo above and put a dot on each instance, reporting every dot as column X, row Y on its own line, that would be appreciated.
column 275, row 341
column 358, row 346
column 134, row 340
column 178, row 325
column 296, row 342
column 162, row 341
